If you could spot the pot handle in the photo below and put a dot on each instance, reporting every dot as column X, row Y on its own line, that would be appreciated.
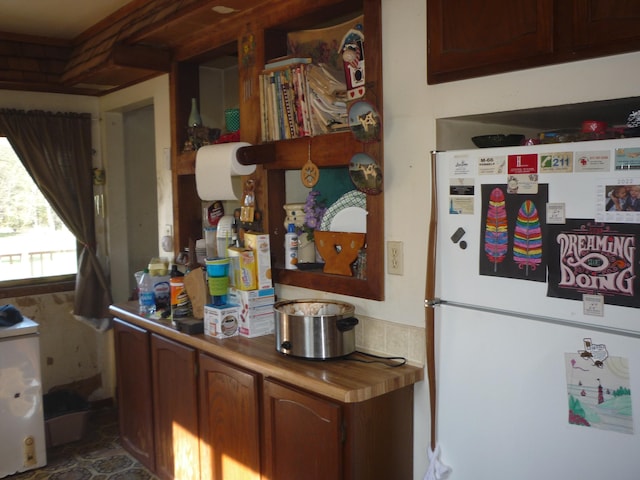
column 346, row 324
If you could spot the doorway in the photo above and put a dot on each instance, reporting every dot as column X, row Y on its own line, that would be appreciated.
column 140, row 188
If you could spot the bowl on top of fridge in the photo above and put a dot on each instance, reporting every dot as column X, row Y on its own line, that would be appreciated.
column 497, row 140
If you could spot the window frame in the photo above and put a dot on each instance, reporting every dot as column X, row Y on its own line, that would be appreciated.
column 37, row 286
column 24, row 287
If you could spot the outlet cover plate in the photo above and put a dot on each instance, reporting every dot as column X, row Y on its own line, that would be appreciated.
column 395, row 258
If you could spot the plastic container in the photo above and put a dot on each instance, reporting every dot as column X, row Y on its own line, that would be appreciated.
column 65, row 414
column 180, row 303
column 158, row 267
column 232, row 119
column 218, row 279
column 291, row 248
column 146, row 294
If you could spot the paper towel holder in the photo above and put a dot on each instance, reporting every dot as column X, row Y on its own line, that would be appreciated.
column 256, row 154
column 215, row 163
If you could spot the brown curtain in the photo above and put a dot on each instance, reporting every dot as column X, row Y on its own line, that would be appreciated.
column 55, row 148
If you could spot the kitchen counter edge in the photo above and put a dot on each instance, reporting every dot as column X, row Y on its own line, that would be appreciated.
column 347, row 381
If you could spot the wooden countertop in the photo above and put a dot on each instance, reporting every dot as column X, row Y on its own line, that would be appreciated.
column 344, row 380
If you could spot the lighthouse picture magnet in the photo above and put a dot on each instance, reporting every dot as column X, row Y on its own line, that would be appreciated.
column 598, row 389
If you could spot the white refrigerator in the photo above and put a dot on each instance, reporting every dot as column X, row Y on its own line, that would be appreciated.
column 536, row 309
column 21, row 410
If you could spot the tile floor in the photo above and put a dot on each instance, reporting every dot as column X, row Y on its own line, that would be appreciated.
column 98, row 456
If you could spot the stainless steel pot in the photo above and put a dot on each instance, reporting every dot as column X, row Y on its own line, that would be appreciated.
column 317, row 329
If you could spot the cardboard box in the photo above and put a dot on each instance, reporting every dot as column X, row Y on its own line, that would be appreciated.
column 255, row 325
column 221, row 321
column 257, row 316
column 242, row 268
column 259, row 243
column 252, row 298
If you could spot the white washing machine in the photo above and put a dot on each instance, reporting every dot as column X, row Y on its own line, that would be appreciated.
column 21, row 410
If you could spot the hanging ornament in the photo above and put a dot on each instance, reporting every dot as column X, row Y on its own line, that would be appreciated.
column 309, row 173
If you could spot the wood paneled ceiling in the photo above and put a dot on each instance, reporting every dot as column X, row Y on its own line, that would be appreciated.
column 137, row 42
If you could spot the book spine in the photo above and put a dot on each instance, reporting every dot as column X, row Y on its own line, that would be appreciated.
column 264, row 136
column 273, row 110
column 307, row 99
column 288, row 104
column 279, row 106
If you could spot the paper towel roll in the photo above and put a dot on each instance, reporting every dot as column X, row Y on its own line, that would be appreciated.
column 215, row 167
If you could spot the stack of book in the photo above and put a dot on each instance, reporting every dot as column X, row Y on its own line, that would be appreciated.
column 300, row 99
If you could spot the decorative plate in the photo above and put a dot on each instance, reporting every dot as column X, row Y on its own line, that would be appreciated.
column 354, row 198
column 364, row 121
column 365, row 174
column 350, row 219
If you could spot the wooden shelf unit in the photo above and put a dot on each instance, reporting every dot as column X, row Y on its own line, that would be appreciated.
column 259, row 38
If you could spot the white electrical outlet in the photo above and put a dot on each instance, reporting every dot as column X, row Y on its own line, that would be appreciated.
column 395, row 258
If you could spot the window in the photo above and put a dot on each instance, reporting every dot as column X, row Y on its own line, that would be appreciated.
column 34, row 243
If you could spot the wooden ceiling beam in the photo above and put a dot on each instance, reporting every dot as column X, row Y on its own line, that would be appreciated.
column 141, row 40
column 142, row 56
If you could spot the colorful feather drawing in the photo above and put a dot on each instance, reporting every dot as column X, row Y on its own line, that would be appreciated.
column 495, row 235
column 527, row 239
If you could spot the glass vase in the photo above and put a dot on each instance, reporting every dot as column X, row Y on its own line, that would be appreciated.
column 194, row 116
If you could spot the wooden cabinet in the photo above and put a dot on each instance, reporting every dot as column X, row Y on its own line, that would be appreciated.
column 470, row 39
column 302, row 435
column 478, row 37
column 135, row 405
column 235, row 420
column 306, row 436
column 254, row 40
column 175, row 409
column 229, row 421
column 157, row 401
column 606, row 27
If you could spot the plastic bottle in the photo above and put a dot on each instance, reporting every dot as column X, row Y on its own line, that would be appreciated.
column 291, row 248
column 146, row 294
column 180, row 303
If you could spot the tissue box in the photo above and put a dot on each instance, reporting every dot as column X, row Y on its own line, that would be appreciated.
column 221, row 321
column 259, row 243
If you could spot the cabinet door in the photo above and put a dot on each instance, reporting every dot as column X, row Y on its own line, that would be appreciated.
column 175, row 409
column 135, row 408
column 613, row 24
column 302, row 435
column 477, row 37
column 229, row 421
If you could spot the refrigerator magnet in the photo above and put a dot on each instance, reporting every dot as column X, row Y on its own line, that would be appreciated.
column 593, row 305
column 556, row 213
